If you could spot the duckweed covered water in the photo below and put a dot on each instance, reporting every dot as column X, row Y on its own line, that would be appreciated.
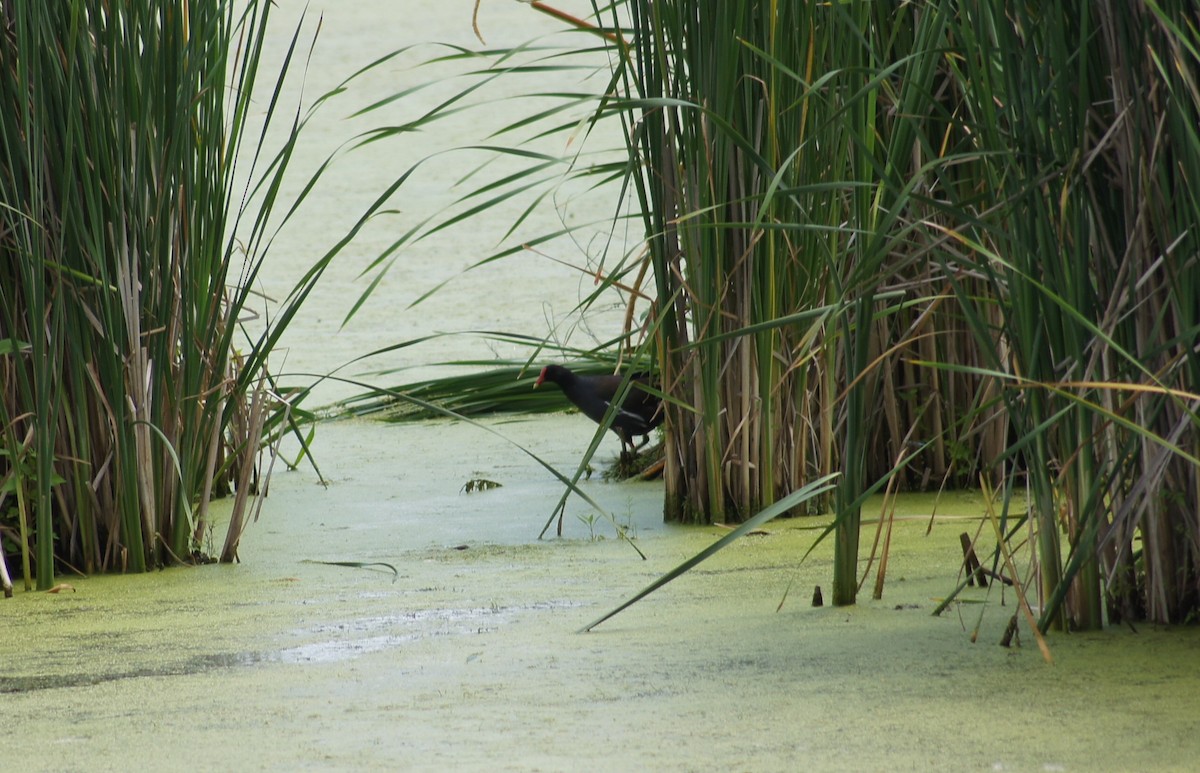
column 470, row 659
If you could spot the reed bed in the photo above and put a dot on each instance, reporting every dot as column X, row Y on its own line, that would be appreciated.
column 129, row 398
column 931, row 244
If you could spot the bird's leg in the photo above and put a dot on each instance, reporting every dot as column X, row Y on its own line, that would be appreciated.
column 626, row 441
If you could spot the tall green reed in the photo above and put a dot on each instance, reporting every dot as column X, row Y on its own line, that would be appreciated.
column 1089, row 257
column 767, row 132
column 129, row 400
column 902, row 217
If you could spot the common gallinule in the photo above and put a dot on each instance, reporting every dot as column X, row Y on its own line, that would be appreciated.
column 636, row 415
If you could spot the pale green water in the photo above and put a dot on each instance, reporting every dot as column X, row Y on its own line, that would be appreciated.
column 470, row 660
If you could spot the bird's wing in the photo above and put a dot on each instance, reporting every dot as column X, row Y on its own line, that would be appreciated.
column 621, row 411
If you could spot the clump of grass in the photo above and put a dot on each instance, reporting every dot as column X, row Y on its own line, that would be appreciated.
column 644, row 464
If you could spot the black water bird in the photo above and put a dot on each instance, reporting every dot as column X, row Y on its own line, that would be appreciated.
column 638, row 413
